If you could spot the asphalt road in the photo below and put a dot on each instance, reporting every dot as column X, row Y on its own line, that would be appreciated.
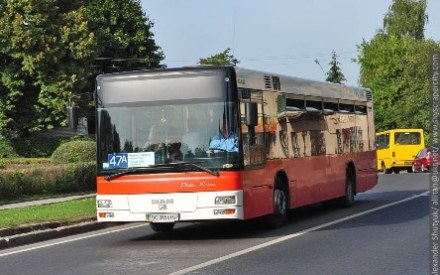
column 386, row 232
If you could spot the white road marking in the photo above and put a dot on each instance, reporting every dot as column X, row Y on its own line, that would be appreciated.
column 70, row 240
column 226, row 257
column 291, row 236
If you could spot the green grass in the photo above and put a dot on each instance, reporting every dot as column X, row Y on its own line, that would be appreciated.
column 67, row 212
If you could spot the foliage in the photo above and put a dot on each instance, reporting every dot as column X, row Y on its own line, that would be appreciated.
column 17, row 163
column 74, row 152
column 18, row 183
column 6, row 148
column 220, row 59
column 46, row 50
column 335, row 74
column 49, row 52
column 124, row 34
column 36, row 147
column 394, row 64
column 406, row 18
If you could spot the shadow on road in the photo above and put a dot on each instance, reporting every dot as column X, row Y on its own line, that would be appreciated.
column 305, row 218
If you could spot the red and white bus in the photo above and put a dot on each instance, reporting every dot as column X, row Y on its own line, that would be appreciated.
column 298, row 142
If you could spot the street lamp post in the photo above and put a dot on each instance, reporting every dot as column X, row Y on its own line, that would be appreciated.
column 317, row 62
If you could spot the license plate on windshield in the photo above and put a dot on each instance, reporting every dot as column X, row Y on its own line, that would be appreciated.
column 162, row 217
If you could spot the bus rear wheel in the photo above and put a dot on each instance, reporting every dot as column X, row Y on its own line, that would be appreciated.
column 162, row 227
column 350, row 188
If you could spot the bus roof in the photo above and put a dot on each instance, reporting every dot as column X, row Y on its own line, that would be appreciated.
column 253, row 79
column 294, row 85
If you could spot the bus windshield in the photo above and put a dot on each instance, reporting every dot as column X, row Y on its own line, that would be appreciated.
column 148, row 136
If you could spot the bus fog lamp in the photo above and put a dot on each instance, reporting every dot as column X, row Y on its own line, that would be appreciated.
column 105, row 204
column 104, row 215
column 225, row 200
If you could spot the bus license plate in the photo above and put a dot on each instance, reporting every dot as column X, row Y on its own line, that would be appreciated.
column 162, row 217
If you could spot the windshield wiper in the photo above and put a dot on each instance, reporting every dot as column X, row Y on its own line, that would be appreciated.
column 166, row 165
column 125, row 172
column 188, row 164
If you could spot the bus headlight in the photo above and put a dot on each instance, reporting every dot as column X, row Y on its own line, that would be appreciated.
column 225, row 200
column 105, row 204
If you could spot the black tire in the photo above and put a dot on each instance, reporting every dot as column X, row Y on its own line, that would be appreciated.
column 396, row 171
column 409, row 170
column 280, row 206
column 413, row 168
column 162, row 227
column 350, row 189
column 385, row 170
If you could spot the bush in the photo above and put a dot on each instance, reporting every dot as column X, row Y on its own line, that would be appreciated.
column 59, row 179
column 17, row 163
column 75, row 152
column 6, row 148
column 40, row 146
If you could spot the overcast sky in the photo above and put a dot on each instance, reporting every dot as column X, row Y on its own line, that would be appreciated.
column 279, row 36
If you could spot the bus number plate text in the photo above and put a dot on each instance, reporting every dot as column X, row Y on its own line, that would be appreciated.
column 162, row 217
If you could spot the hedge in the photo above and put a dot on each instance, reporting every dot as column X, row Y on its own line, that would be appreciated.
column 35, row 146
column 74, row 152
column 59, row 179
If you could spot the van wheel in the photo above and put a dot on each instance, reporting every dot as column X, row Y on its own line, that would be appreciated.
column 385, row 170
column 162, row 227
column 396, row 171
column 350, row 189
column 280, row 206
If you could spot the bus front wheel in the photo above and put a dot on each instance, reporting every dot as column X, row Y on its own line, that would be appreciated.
column 385, row 170
column 280, row 206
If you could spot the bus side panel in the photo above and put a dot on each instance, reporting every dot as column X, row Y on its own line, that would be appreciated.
column 310, row 179
column 366, row 170
column 258, row 192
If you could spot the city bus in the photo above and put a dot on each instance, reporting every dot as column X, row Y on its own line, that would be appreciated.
column 297, row 142
column 397, row 148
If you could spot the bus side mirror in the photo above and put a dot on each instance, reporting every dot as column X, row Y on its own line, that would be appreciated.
column 251, row 114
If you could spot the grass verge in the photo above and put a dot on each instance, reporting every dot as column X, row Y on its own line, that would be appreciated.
column 65, row 212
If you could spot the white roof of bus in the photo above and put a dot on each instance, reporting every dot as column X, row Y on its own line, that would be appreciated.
column 253, row 79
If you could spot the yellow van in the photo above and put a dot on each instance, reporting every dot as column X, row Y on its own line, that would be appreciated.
column 397, row 148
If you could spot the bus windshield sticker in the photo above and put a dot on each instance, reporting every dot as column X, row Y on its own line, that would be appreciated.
column 129, row 160
column 144, row 159
column 118, row 160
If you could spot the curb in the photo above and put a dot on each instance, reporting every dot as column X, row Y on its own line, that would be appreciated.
column 52, row 233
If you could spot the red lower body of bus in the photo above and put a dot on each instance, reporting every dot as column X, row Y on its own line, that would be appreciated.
column 192, row 196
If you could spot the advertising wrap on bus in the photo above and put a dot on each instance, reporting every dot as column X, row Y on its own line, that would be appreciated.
column 213, row 143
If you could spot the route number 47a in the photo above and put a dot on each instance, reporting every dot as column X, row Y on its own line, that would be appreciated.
column 119, row 160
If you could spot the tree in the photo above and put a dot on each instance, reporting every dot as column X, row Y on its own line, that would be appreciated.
column 220, row 59
column 46, row 48
column 335, row 74
column 124, row 35
column 394, row 64
column 406, row 18
column 49, row 51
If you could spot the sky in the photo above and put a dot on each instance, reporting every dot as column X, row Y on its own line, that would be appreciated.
column 278, row 36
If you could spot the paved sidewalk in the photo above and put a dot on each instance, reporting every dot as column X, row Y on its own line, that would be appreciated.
column 49, row 230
